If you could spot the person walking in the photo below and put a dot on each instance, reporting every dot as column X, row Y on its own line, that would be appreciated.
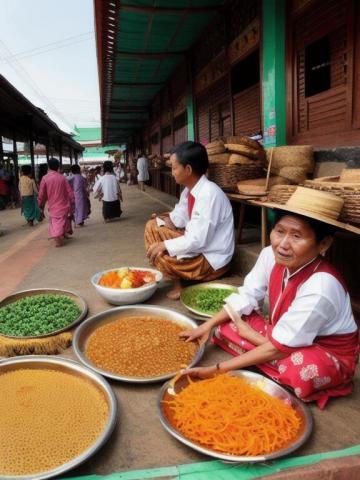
column 56, row 191
column 143, row 171
column 78, row 184
column 28, row 192
column 107, row 188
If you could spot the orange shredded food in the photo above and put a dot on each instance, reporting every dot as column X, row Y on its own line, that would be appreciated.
column 227, row 414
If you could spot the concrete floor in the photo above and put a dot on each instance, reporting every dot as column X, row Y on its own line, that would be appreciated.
column 29, row 260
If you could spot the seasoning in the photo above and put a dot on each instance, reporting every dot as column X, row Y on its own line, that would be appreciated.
column 37, row 315
column 228, row 415
column 145, row 346
column 48, row 418
column 206, row 300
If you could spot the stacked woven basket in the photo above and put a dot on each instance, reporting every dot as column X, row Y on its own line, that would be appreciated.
column 293, row 163
column 155, row 161
column 233, row 159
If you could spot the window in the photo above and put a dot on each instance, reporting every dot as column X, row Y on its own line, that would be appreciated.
column 246, row 73
column 317, row 67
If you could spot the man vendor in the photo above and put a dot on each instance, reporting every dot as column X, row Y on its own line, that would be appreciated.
column 196, row 240
column 310, row 341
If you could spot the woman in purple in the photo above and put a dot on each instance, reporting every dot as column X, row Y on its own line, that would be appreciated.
column 78, row 184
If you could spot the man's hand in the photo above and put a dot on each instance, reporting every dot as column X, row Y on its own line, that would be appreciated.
column 155, row 250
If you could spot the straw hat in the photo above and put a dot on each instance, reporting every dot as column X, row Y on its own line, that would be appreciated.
column 317, row 204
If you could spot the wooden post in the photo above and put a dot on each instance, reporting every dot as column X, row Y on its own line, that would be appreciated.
column 60, row 150
column 1, row 149
column 16, row 162
column 70, row 154
column 31, row 145
column 76, row 157
column 47, row 147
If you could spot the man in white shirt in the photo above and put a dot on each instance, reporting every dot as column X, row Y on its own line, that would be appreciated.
column 143, row 171
column 196, row 240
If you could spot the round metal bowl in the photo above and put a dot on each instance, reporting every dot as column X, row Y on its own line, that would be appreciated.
column 127, row 296
column 84, row 331
column 74, row 368
column 266, row 385
column 194, row 288
column 48, row 291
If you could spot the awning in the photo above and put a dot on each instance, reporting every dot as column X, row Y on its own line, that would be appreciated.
column 138, row 47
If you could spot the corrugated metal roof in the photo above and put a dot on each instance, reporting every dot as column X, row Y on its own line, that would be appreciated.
column 139, row 45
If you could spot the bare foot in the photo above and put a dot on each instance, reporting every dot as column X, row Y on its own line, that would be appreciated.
column 59, row 242
column 175, row 292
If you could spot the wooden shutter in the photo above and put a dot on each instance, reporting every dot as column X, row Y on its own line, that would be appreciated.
column 247, row 117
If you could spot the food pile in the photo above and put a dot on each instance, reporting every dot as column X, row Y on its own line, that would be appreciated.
column 37, row 315
column 126, row 278
column 144, row 346
column 206, row 300
column 228, row 415
column 48, row 418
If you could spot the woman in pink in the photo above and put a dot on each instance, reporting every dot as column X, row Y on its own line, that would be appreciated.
column 310, row 341
column 56, row 191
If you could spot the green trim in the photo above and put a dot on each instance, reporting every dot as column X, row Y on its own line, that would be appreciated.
column 220, row 471
column 274, row 80
column 190, row 113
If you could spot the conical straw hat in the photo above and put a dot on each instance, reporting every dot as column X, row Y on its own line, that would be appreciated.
column 323, row 206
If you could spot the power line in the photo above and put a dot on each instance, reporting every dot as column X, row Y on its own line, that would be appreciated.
column 50, row 46
column 20, row 70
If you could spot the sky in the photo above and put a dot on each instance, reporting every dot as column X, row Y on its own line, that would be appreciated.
column 48, row 52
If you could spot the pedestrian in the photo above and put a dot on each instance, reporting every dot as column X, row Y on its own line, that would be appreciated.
column 143, row 171
column 56, row 191
column 107, row 189
column 78, row 184
column 28, row 192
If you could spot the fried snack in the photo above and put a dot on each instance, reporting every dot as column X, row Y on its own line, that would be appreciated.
column 145, row 346
column 48, row 418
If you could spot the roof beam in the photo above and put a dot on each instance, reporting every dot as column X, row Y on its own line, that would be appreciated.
column 149, row 55
column 138, row 84
column 128, row 108
column 129, row 122
column 169, row 10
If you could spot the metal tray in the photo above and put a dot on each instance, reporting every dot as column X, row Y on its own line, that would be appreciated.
column 91, row 324
column 193, row 288
column 47, row 291
column 265, row 384
column 69, row 366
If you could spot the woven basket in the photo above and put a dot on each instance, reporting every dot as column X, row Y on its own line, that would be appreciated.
column 227, row 176
column 294, row 174
column 349, row 192
column 237, row 159
column 242, row 150
column 243, row 140
column 219, row 159
column 350, row 175
column 281, row 193
column 292, row 156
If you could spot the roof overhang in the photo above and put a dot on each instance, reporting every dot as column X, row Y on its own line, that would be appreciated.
column 138, row 47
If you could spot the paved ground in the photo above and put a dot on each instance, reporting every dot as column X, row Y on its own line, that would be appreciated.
column 28, row 260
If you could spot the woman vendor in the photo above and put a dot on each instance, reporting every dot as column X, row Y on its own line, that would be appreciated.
column 310, row 341
column 196, row 240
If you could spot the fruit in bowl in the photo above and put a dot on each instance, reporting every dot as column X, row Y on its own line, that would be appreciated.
column 125, row 278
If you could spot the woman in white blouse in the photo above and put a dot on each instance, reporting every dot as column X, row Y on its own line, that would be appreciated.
column 196, row 240
column 310, row 341
column 107, row 188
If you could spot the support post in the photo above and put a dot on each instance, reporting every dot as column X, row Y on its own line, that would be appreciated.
column 190, row 103
column 273, row 64
column 1, row 149
column 60, row 151
column 76, row 157
column 16, row 161
column 47, row 147
column 31, row 145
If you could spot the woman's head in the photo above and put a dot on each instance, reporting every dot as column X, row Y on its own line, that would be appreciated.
column 296, row 239
column 75, row 169
column 26, row 169
column 189, row 161
column 108, row 166
column 53, row 164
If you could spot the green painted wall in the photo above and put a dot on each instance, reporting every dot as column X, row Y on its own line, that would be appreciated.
column 190, row 113
column 273, row 62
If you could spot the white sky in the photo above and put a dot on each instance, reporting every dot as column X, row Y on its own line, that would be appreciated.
column 65, row 78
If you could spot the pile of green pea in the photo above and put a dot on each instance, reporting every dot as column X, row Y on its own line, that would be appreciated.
column 37, row 315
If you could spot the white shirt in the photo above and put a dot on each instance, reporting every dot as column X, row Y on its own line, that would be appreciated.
column 142, row 168
column 109, row 186
column 321, row 307
column 211, row 229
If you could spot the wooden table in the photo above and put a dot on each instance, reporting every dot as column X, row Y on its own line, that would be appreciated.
column 245, row 201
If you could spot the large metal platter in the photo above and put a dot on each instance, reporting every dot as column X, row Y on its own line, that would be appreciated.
column 48, row 291
column 72, row 367
column 265, row 384
column 194, row 288
column 84, row 331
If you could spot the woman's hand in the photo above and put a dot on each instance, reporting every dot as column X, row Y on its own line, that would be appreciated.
column 201, row 333
column 200, row 372
column 155, row 250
